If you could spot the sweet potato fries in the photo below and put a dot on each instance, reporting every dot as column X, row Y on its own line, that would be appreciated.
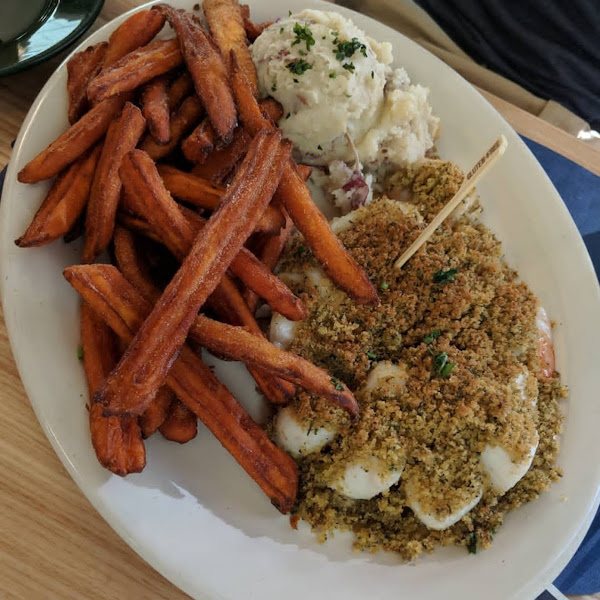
column 187, row 186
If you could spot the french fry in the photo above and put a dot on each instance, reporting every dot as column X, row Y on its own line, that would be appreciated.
column 181, row 424
column 63, row 204
column 226, row 301
column 235, row 343
column 124, row 310
column 268, row 252
column 199, row 192
column 122, row 136
column 253, row 30
column 152, row 201
column 154, row 101
column 207, row 68
column 339, row 265
column 133, row 33
column 215, row 165
column 226, row 25
column 181, row 121
column 181, row 88
column 135, row 69
column 130, row 387
column 157, row 412
column 130, row 264
column 74, row 142
column 190, row 188
column 116, row 440
column 200, row 143
column 82, row 67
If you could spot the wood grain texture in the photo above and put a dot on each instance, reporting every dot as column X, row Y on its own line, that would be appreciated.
column 53, row 544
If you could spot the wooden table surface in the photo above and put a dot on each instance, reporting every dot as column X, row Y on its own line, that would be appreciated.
column 53, row 544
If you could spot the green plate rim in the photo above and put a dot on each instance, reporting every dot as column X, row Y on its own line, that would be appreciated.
column 37, row 59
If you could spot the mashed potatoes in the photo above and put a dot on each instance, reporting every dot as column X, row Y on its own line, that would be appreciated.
column 336, row 83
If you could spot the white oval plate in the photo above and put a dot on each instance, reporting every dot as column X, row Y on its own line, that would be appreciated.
column 193, row 514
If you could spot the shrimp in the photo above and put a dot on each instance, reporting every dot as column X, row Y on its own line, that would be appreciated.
column 545, row 345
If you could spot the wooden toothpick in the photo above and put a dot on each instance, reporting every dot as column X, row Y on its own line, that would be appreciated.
column 481, row 167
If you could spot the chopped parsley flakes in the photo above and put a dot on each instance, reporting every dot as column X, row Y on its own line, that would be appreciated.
column 337, row 383
column 80, row 352
column 349, row 67
column 346, row 49
column 434, row 335
column 371, row 355
column 441, row 365
column 298, row 67
column 332, row 75
column 303, row 34
column 384, row 285
column 442, row 277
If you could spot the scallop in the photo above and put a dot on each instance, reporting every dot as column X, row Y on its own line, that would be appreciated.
column 366, row 478
column 282, row 331
column 387, row 378
column 436, row 521
column 503, row 472
column 297, row 438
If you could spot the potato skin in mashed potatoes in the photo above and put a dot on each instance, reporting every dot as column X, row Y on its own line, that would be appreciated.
column 483, row 318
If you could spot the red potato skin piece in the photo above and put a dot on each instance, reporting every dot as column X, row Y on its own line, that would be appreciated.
column 143, row 369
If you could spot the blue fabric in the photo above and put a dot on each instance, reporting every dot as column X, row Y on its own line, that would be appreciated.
column 580, row 191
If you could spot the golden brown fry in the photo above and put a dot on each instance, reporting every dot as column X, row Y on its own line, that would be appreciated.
column 253, row 30
column 268, row 252
column 154, row 101
column 124, row 310
column 135, row 69
column 189, row 188
column 79, row 138
column 116, row 440
column 200, row 143
column 181, row 88
column 226, row 25
column 181, row 424
column 122, row 136
column 207, row 69
column 82, row 67
column 63, row 204
column 130, row 263
column 132, row 385
column 339, row 265
column 149, row 199
column 226, row 301
column 215, row 165
column 235, row 343
column 133, row 33
column 157, row 412
column 181, row 121
column 201, row 193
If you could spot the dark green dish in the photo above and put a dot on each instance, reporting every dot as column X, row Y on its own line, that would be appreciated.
column 32, row 31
